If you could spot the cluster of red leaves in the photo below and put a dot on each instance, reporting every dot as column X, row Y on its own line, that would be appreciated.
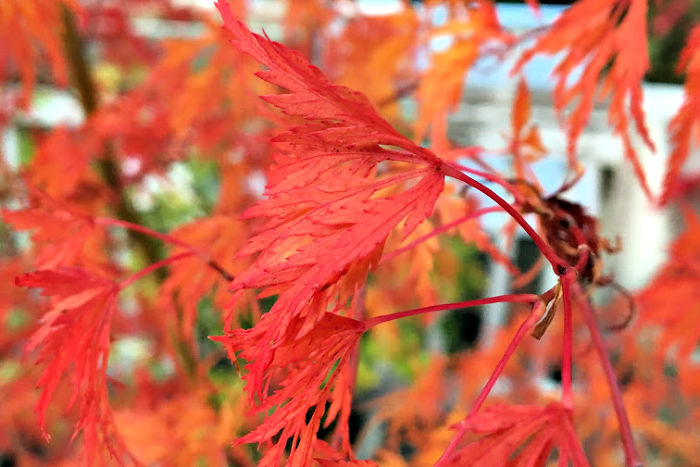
column 28, row 30
column 605, row 41
column 440, row 88
column 314, row 231
column 74, row 252
column 328, row 210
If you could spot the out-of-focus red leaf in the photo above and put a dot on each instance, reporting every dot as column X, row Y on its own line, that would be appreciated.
column 525, row 145
column 191, row 279
column 62, row 162
column 672, row 300
column 60, row 235
column 29, row 31
column 441, row 86
column 685, row 126
column 603, row 41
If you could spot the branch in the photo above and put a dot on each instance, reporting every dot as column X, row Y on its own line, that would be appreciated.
column 107, row 165
column 138, row 228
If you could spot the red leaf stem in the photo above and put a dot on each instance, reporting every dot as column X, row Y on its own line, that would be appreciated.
column 546, row 250
column 201, row 254
column 145, row 230
column 494, row 178
column 567, row 398
column 631, row 454
column 152, row 267
column 513, row 298
column 537, row 311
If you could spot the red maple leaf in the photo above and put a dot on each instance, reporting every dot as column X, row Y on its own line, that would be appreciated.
column 302, row 375
column 671, row 301
column 342, row 182
column 520, row 435
column 191, row 279
column 605, row 40
column 60, row 235
column 685, row 126
column 76, row 332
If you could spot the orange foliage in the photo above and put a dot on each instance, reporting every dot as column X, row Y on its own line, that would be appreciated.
column 670, row 301
column 603, row 40
column 440, row 88
column 685, row 126
column 30, row 32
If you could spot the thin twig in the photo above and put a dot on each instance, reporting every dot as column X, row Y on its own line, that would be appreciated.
column 201, row 254
column 152, row 267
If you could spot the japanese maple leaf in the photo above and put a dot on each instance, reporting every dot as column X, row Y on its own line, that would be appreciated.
column 441, row 86
column 520, row 435
column 60, row 235
column 75, row 332
column 343, row 180
column 303, row 375
column 672, row 300
column 685, row 126
column 604, row 40
column 29, row 31
column 526, row 144
column 61, row 164
column 410, row 411
column 378, row 46
column 191, row 279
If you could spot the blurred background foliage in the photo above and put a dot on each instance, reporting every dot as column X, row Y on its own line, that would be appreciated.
column 192, row 187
